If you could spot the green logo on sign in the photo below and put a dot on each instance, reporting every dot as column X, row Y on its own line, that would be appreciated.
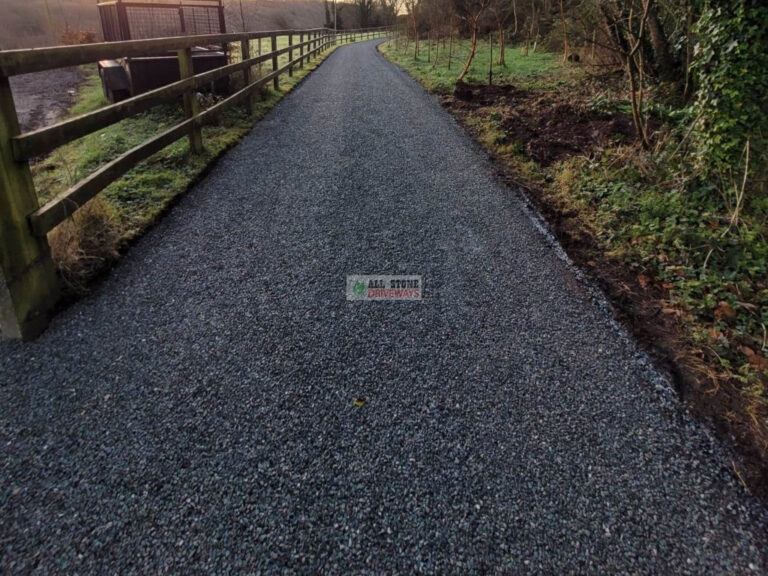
column 359, row 288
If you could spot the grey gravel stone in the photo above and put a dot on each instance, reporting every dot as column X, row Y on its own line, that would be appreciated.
column 196, row 413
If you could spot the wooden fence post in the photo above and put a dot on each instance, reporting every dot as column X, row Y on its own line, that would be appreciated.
column 191, row 105
column 301, row 50
column 290, row 54
column 275, row 81
column 29, row 288
column 260, row 63
column 245, row 48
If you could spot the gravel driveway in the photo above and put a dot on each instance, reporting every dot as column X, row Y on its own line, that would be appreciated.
column 196, row 413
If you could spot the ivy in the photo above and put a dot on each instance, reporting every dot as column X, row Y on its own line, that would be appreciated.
column 731, row 68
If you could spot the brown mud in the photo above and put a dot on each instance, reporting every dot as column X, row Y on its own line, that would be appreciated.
column 42, row 98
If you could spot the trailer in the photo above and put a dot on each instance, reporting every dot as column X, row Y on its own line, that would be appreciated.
column 123, row 20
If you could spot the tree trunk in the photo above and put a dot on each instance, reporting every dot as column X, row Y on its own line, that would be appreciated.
column 637, row 102
column 490, row 59
column 502, row 45
column 472, row 49
column 687, row 90
column 565, row 33
column 500, row 34
column 415, row 39
column 534, row 26
column 514, row 14
column 664, row 64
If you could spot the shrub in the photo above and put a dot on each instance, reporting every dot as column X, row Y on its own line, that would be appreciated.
column 72, row 37
column 85, row 243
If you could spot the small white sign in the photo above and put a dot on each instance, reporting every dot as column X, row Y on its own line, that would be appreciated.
column 384, row 287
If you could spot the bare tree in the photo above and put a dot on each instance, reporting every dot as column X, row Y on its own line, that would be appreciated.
column 364, row 12
column 627, row 32
column 502, row 11
column 412, row 9
column 532, row 29
column 389, row 10
column 565, row 32
column 470, row 11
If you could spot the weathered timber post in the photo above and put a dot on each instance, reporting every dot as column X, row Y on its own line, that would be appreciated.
column 301, row 50
column 191, row 105
column 290, row 54
column 245, row 48
column 276, row 80
column 29, row 288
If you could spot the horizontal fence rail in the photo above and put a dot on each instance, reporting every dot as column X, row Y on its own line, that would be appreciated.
column 24, row 224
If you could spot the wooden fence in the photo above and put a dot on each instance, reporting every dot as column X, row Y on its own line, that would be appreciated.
column 28, row 283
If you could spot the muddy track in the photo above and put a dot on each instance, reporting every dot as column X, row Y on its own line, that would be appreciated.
column 43, row 97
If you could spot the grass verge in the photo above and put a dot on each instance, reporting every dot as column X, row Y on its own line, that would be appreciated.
column 93, row 238
column 688, row 279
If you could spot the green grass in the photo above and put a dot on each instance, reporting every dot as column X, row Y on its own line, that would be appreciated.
column 139, row 196
column 266, row 46
column 533, row 70
column 90, row 96
column 680, row 232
